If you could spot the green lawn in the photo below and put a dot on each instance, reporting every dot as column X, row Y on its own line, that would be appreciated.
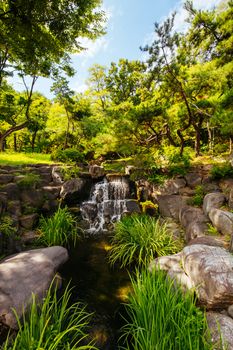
column 11, row 158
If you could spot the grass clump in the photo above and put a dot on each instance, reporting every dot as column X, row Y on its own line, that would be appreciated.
column 54, row 325
column 140, row 238
column 161, row 317
column 60, row 229
column 29, row 180
column 198, row 197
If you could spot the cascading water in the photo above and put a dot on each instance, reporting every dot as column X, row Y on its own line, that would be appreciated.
column 107, row 204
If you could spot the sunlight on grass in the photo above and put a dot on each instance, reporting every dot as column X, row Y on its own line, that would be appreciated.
column 11, row 158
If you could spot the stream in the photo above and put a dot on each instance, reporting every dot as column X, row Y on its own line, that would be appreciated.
column 102, row 287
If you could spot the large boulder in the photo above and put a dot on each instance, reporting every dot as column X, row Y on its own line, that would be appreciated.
column 26, row 273
column 220, row 327
column 211, row 271
column 5, row 178
column 170, row 205
column 222, row 220
column 193, row 221
column 173, row 186
column 75, row 190
column 193, row 179
column 213, row 200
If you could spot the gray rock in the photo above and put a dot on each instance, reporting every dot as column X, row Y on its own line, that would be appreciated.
column 193, row 179
column 173, row 186
column 129, row 169
column 51, row 192
column 3, row 202
column 5, row 178
column 211, row 271
column 12, row 191
column 26, row 273
column 172, row 265
column 28, row 237
column 96, row 171
column 75, row 190
column 222, row 220
column 32, row 198
column 193, row 221
column 29, row 221
column 220, row 327
column 208, row 240
column 230, row 311
column 133, row 206
column 226, row 185
column 230, row 200
column 170, row 205
column 213, row 200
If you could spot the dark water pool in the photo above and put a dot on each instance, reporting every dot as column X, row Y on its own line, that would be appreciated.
column 102, row 287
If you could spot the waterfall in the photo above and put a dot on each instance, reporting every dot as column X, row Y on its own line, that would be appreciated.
column 107, row 203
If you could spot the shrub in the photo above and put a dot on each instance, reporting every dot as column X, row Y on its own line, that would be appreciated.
column 59, row 229
column 8, row 234
column 70, row 172
column 178, row 164
column 67, row 155
column 29, row 180
column 140, row 238
column 53, row 326
column 220, row 171
column 161, row 317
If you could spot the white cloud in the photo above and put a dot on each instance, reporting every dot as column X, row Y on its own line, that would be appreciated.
column 93, row 47
column 180, row 24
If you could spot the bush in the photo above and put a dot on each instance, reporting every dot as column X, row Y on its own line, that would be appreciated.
column 220, row 171
column 140, row 238
column 59, row 229
column 161, row 317
column 68, row 155
column 53, row 326
column 8, row 234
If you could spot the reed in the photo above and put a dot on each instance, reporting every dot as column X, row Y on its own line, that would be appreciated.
column 161, row 317
column 139, row 239
column 54, row 325
column 60, row 229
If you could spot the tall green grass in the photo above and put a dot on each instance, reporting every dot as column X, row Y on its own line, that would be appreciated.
column 59, row 229
column 161, row 317
column 55, row 325
column 19, row 158
column 139, row 239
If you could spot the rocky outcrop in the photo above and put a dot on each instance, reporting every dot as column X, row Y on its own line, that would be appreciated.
column 75, row 190
column 209, row 269
column 26, row 273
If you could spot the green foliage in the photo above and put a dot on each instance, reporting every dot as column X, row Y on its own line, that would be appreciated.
column 162, row 317
column 54, row 325
column 68, row 155
column 212, row 230
column 220, row 171
column 60, row 229
column 70, row 172
column 13, row 158
column 178, row 164
column 139, row 239
column 7, row 228
column 29, row 180
column 149, row 207
column 198, row 197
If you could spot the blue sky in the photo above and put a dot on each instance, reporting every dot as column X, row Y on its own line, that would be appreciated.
column 130, row 25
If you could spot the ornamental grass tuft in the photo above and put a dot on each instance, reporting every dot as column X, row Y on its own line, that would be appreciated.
column 139, row 239
column 161, row 317
column 53, row 325
column 60, row 229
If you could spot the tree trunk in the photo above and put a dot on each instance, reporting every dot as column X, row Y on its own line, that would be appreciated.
column 179, row 133
column 15, row 142
column 4, row 135
column 197, row 128
column 67, row 129
column 230, row 144
column 33, row 140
